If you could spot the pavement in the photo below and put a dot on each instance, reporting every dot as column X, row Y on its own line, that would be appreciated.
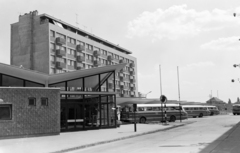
column 229, row 142
column 70, row 141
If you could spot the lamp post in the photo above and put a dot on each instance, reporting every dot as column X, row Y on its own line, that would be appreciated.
column 235, row 65
column 148, row 93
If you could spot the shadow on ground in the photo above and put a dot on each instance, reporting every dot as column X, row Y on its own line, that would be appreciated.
column 229, row 142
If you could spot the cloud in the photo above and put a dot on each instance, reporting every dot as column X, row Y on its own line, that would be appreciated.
column 229, row 43
column 197, row 65
column 178, row 21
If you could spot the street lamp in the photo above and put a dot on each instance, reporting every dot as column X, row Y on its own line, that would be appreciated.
column 235, row 65
column 237, row 80
column 148, row 93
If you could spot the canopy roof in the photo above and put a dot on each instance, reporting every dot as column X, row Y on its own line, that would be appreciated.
column 43, row 78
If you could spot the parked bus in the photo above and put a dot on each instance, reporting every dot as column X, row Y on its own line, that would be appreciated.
column 236, row 109
column 213, row 109
column 196, row 110
column 153, row 112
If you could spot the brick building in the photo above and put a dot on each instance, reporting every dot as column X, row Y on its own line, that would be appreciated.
column 29, row 111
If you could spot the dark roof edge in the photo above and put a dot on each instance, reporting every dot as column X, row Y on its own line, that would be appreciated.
column 87, row 33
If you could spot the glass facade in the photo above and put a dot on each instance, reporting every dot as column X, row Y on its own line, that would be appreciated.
column 12, row 81
column 88, row 111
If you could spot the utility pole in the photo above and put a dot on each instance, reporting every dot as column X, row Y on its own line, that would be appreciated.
column 178, row 84
column 160, row 80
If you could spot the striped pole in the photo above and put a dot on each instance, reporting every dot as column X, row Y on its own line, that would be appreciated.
column 165, row 111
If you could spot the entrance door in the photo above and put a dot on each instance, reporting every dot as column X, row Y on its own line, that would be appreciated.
column 72, row 117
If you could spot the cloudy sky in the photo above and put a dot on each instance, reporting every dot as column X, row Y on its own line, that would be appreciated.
column 201, row 37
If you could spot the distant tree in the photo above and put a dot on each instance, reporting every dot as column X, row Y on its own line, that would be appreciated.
column 229, row 101
column 238, row 100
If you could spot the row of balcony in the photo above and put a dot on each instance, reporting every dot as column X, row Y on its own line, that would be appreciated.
column 121, row 86
column 61, row 41
column 96, row 53
column 126, row 95
column 80, row 58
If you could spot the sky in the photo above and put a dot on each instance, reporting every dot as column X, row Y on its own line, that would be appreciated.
column 200, row 37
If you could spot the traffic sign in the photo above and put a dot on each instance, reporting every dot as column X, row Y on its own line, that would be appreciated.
column 163, row 99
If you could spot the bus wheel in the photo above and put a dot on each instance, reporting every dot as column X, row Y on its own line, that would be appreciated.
column 200, row 115
column 234, row 114
column 142, row 120
column 172, row 119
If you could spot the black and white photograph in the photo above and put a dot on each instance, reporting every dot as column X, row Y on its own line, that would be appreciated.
column 120, row 76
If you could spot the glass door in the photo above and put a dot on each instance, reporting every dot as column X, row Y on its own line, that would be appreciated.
column 72, row 117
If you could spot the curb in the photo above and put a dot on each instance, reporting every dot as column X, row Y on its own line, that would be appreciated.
column 117, row 139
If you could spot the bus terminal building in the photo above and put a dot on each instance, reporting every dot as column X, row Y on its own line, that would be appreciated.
column 34, row 103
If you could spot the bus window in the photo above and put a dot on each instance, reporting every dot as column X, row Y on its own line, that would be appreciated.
column 195, row 108
column 201, row 108
column 156, row 108
column 186, row 108
column 149, row 108
column 140, row 108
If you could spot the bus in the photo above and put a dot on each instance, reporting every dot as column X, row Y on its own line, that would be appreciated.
column 213, row 109
column 196, row 110
column 236, row 109
column 153, row 112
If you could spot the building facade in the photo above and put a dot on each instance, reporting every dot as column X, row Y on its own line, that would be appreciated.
column 29, row 111
column 34, row 103
column 49, row 45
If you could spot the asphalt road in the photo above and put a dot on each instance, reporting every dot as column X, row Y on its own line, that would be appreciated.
column 191, row 138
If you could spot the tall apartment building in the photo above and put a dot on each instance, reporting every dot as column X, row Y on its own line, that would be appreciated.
column 47, row 44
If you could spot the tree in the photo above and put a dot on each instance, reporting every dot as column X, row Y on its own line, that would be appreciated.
column 238, row 100
column 229, row 101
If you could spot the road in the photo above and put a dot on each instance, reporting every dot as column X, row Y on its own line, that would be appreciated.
column 191, row 138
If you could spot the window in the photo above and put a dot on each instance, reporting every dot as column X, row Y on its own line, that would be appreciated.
column 32, row 101
column 149, row 108
column 72, row 41
column 52, row 46
column 9, row 81
column 60, row 71
column 52, row 33
column 52, row 71
column 68, row 51
column 52, row 58
column 60, row 35
column 73, row 52
column 58, row 59
column 32, row 84
column 44, row 101
column 68, row 39
column 156, row 109
column 72, row 63
column 5, row 111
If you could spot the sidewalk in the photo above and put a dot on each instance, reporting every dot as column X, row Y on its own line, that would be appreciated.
column 227, row 143
column 76, row 140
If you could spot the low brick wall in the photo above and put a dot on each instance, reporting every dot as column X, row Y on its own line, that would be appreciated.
column 30, row 120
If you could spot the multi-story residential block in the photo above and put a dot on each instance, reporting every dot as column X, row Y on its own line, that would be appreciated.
column 47, row 44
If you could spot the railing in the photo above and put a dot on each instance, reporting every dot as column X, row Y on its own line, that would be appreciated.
column 60, row 41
